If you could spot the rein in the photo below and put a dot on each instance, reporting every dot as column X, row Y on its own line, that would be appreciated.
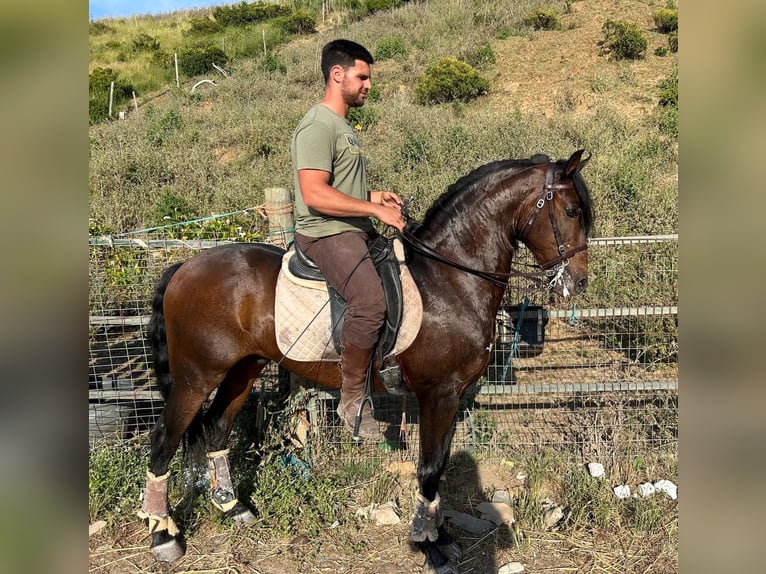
column 553, row 268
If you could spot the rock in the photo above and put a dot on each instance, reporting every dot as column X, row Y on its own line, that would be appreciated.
column 622, row 491
column 596, row 469
column 381, row 514
column 497, row 512
column 502, row 496
column 646, row 489
column 469, row 523
column 552, row 517
column 667, row 487
column 511, row 568
column 95, row 527
column 386, row 515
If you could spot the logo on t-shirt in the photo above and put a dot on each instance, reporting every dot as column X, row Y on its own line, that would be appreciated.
column 353, row 144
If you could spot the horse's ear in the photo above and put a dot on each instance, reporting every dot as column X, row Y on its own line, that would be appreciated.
column 574, row 162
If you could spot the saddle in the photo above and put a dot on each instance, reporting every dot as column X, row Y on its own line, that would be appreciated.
column 300, row 276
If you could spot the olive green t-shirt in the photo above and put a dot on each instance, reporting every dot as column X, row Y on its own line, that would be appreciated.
column 325, row 141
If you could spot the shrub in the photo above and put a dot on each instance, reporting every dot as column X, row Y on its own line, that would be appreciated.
column 145, row 43
column 270, row 63
column 171, row 208
column 99, row 85
column 381, row 5
column 450, row 80
column 205, row 26
column 673, row 41
column 363, row 118
column 243, row 14
column 97, row 28
column 483, row 56
column 623, row 39
column 196, row 61
column 543, row 20
column 299, row 22
column 390, row 47
column 669, row 104
column 666, row 20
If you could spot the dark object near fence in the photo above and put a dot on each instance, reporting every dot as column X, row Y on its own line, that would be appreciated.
column 520, row 334
column 212, row 328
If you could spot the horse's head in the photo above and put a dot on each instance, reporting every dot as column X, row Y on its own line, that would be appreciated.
column 557, row 227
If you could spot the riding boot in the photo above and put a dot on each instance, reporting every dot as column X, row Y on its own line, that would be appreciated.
column 354, row 363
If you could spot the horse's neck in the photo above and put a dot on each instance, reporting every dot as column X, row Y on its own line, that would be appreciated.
column 479, row 233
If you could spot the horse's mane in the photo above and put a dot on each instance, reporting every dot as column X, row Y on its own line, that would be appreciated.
column 466, row 184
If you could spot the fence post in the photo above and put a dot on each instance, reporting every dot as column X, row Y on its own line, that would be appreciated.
column 279, row 208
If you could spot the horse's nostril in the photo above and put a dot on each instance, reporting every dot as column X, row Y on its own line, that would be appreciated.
column 581, row 285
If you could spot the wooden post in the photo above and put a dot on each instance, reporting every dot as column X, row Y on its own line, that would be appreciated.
column 175, row 57
column 135, row 101
column 279, row 208
column 263, row 34
column 111, row 98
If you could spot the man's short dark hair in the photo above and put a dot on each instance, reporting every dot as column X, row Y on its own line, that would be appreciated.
column 342, row 53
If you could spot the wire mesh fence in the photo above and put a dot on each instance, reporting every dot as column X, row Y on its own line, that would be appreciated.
column 597, row 373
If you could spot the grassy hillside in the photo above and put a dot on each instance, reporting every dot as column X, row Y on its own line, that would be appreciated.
column 551, row 91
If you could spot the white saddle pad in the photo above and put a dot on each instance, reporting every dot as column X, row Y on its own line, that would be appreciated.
column 302, row 315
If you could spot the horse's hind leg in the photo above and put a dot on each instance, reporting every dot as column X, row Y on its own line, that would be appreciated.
column 219, row 420
column 181, row 407
column 437, row 426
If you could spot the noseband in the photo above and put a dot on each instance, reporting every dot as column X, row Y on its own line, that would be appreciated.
column 553, row 268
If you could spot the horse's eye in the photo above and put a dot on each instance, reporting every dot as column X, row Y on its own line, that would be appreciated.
column 572, row 212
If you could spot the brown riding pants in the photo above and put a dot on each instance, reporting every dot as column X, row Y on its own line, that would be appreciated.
column 345, row 261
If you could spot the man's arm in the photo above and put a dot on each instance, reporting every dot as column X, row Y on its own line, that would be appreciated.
column 319, row 195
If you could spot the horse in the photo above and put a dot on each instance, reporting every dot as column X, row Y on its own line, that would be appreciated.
column 212, row 328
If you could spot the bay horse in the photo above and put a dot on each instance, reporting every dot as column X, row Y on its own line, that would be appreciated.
column 212, row 327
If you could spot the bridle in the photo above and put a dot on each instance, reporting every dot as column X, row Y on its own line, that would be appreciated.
column 553, row 268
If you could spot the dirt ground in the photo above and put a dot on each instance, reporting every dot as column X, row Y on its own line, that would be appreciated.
column 359, row 546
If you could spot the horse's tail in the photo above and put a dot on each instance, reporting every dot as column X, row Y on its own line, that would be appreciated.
column 157, row 334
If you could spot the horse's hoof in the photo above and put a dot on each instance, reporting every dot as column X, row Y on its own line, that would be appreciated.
column 243, row 518
column 447, row 568
column 169, row 551
column 241, row 515
column 453, row 552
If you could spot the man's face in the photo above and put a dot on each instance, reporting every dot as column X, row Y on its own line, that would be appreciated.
column 356, row 83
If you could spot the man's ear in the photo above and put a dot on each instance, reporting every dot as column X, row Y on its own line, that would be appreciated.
column 337, row 73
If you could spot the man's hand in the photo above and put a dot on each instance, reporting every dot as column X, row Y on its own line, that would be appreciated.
column 392, row 214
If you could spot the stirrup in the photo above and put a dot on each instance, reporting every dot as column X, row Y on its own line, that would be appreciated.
column 366, row 399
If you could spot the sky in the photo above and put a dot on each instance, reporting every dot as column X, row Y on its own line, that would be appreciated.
column 122, row 8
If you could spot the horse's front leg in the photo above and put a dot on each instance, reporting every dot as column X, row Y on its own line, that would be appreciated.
column 437, row 425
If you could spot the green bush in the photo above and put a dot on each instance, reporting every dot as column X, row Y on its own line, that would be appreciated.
column 196, row 61
column 99, row 85
column 205, row 26
column 243, row 14
column 669, row 104
column 623, row 40
column 299, row 22
column 666, row 20
column 450, row 80
column 270, row 63
column 145, row 43
column 365, row 117
column 483, row 56
column 390, row 47
column 381, row 5
column 543, row 20
column 673, row 41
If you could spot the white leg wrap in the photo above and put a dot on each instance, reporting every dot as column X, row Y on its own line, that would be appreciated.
column 221, row 488
column 427, row 519
column 155, row 505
